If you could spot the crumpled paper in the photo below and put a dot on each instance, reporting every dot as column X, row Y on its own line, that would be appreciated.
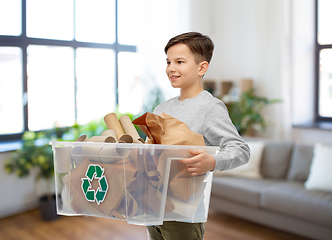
column 140, row 175
column 167, row 130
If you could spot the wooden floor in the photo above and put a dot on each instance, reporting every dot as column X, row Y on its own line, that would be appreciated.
column 30, row 226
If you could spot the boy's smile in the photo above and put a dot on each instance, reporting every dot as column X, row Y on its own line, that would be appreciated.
column 182, row 70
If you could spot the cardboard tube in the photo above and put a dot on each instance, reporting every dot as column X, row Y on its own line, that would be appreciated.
column 112, row 122
column 76, row 155
column 129, row 128
column 77, row 151
column 108, row 139
column 91, row 153
column 109, row 132
column 109, row 154
column 103, row 154
column 126, row 138
column 140, row 140
column 63, row 160
column 83, row 138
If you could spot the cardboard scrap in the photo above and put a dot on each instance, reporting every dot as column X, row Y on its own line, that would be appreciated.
column 136, row 178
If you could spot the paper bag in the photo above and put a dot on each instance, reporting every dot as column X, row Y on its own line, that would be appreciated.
column 167, row 130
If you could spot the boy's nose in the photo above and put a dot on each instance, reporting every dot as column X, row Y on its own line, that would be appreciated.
column 170, row 67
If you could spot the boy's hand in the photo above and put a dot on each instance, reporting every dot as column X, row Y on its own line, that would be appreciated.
column 200, row 163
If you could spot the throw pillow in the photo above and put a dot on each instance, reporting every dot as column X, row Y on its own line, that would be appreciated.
column 320, row 177
column 300, row 162
column 276, row 158
column 252, row 168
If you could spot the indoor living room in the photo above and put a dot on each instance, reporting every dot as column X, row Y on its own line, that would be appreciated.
column 65, row 64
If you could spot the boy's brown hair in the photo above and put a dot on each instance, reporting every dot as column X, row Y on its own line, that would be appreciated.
column 200, row 45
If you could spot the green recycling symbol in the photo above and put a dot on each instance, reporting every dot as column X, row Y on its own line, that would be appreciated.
column 95, row 171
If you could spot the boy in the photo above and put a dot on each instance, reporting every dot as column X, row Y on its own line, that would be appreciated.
column 188, row 58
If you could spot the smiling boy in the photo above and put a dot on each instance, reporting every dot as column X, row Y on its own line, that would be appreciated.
column 188, row 59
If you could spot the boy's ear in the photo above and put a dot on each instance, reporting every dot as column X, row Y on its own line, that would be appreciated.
column 203, row 67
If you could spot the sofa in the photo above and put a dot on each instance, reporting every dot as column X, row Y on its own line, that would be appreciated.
column 282, row 188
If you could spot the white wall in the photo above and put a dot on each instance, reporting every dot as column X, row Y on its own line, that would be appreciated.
column 271, row 42
column 237, row 31
column 17, row 194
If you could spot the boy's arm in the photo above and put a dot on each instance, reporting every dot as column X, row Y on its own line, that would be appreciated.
column 219, row 131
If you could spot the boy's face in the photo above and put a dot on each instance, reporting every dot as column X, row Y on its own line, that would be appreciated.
column 182, row 70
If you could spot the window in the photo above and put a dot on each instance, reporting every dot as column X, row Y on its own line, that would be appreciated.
column 323, row 104
column 93, row 63
column 51, row 93
column 11, row 115
column 59, row 61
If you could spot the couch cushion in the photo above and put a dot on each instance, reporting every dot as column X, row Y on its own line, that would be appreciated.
column 276, row 158
column 320, row 177
column 246, row 191
column 252, row 169
column 293, row 199
column 300, row 162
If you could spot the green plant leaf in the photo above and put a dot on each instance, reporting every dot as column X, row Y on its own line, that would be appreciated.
column 246, row 112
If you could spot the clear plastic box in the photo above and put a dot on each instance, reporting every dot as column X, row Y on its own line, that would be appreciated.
column 144, row 184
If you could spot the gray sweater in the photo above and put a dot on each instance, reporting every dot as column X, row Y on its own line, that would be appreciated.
column 209, row 117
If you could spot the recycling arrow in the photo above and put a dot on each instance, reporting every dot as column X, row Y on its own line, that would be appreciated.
column 94, row 171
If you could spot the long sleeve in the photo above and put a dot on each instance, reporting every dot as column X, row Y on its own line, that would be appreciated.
column 220, row 131
column 209, row 117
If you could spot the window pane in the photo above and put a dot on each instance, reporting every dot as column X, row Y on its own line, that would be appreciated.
column 50, row 19
column 95, row 22
column 10, row 14
column 11, row 106
column 130, row 21
column 325, row 83
column 95, row 83
column 51, row 100
column 130, row 86
column 324, row 21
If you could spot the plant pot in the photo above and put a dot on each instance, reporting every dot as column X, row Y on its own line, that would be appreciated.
column 47, row 207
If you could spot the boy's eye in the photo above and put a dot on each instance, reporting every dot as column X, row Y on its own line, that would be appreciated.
column 168, row 63
column 180, row 62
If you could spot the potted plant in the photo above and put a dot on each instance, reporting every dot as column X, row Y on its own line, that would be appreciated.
column 245, row 113
column 36, row 152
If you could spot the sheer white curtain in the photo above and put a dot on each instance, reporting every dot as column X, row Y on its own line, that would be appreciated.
column 276, row 66
column 289, row 64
